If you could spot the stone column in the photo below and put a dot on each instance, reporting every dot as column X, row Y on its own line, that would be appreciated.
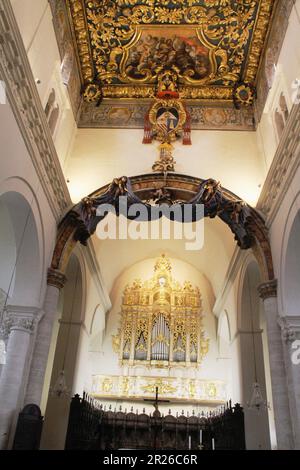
column 18, row 325
column 290, row 333
column 282, row 412
column 55, row 282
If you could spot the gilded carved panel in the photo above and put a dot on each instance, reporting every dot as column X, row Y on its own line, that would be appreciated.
column 161, row 322
column 212, row 44
column 122, row 44
column 179, row 389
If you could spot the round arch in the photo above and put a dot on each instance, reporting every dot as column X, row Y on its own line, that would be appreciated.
column 253, row 360
column 290, row 262
column 63, row 353
column 246, row 223
column 23, row 243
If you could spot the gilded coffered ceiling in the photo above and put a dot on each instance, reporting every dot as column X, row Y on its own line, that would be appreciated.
column 214, row 46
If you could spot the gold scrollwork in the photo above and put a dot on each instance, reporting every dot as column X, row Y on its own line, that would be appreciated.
column 163, row 386
column 111, row 39
column 116, row 342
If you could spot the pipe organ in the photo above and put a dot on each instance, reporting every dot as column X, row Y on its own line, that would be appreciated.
column 161, row 322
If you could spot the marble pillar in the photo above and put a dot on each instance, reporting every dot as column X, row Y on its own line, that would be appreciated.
column 282, row 411
column 290, row 334
column 19, row 324
column 55, row 282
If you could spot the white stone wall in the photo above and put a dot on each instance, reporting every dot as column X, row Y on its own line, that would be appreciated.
column 34, row 20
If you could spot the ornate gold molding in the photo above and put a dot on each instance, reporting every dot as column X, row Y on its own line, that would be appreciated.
column 77, row 11
column 175, row 389
column 258, row 40
column 233, row 34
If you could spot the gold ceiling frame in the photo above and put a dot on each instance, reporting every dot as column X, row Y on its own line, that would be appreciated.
column 194, row 90
column 79, row 28
column 260, row 33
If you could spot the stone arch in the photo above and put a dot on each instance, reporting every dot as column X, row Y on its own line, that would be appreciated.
column 245, row 222
column 23, row 256
column 254, row 356
column 290, row 262
column 22, row 249
column 63, row 353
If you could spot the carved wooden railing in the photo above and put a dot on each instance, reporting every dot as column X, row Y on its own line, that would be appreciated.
column 93, row 427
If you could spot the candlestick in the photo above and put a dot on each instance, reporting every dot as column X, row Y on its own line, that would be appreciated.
column 190, row 442
column 213, row 443
column 200, row 436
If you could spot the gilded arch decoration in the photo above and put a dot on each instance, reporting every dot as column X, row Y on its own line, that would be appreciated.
column 246, row 224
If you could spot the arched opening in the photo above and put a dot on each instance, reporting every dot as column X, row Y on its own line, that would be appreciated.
column 62, row 357
column 259, row 423
column 20, row 286
column 20, row 270
column 291, row 278
column 234, row 216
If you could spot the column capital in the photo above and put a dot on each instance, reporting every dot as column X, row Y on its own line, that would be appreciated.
column 290, row 327
column 56, row 278
column 268, row 289
column 20, row 317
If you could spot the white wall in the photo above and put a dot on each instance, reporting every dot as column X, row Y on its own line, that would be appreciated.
column 34, row 20
column 99, row 155
column 287, row 70
column 18, row 175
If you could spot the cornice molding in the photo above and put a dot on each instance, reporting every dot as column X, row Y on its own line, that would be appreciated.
column 24, row 99
column 283, row 168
